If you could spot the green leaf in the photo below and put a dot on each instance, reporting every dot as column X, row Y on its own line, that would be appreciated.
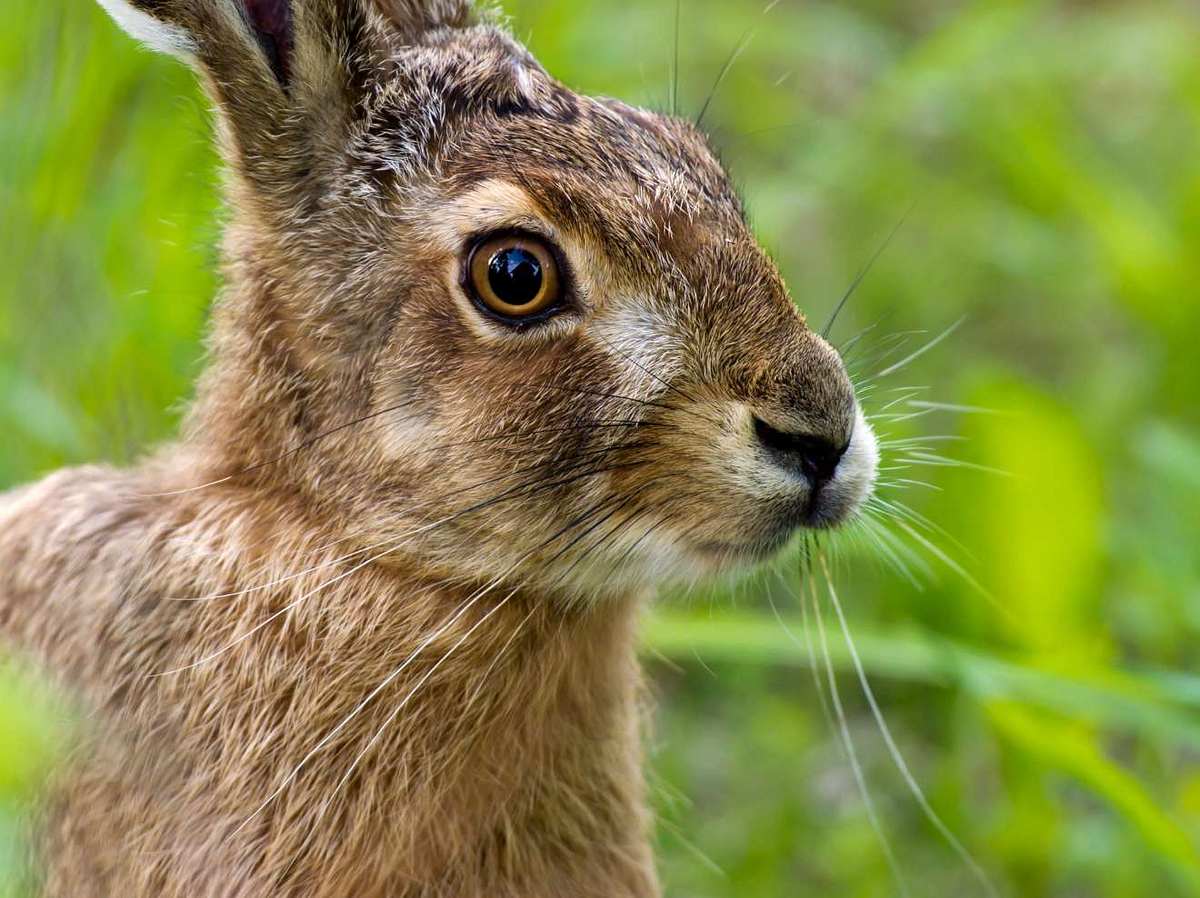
column 1122, row 700
column 1070, row 748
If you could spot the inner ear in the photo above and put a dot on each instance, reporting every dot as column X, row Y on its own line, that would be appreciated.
column 271, row 21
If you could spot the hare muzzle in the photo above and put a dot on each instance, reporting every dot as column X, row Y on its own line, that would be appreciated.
column 766, row 436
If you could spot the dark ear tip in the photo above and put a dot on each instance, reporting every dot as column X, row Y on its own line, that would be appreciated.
column 272, row 23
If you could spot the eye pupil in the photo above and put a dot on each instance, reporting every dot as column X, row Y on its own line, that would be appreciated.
column 515, row 275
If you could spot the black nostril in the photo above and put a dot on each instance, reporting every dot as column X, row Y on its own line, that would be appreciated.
column 817, row 457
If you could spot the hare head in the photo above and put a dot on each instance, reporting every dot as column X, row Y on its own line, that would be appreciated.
column 481, row 321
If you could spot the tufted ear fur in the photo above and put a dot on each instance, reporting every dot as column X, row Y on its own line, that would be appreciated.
column 285, row 74
column 414, row 16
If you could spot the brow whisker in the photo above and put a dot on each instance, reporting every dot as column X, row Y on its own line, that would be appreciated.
column 865, row 270
column 737, row 51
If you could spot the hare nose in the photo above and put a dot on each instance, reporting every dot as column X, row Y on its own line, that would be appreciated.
column 814, row 456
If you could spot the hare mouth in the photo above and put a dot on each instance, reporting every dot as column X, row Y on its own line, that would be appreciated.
column 815, row 513
column 746, row 552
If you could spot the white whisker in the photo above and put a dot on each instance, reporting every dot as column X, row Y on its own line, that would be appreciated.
column 400, row 707
column 280, row 613
column 902, row 482
column 897, row 757
column 848, row 743
column 940, row 461
column 913, row 356
column 952, row 407
column 900, row 509
column 893, row 549
column 387, row 681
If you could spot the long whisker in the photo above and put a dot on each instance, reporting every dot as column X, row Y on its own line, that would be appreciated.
column 864, row 271
column 390, row 547
column 396, row 713
column 899, row 418
column 675, row 65
column 375, row 416
column 387, row 681
column 892, row 549
column 421, row 682
column 737, row 51
column 848, row 744
column 954, row 407
column 903, row 482
column 613, row 533
column 885, row 347
column 604, row 537
column 913, row 441
column 311, row 441
column 913, row 356
column 807, row 644
column 898, row 509
column 670, row 386
column 906, row 394
column 849, row 348
column 646, row 403
column 471, row 601
column 941, row 461
column 897, row 757
column 521, row 490
column 958, row 569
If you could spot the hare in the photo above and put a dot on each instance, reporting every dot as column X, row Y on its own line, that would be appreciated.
column 492, row 361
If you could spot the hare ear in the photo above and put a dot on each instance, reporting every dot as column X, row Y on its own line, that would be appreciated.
column 279, row 70
column 243, row 49
column 286, row 75
column 154, row 33
column 223, row 36
column 213, row 32
column 414, row 17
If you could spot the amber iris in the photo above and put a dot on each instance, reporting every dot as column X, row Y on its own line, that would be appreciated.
column 515, row 276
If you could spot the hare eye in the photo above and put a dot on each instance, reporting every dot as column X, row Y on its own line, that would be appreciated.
column 514, row 275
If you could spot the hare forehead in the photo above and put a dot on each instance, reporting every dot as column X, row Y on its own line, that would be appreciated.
column 624, row 237
column 623, row 191
column 481, row 106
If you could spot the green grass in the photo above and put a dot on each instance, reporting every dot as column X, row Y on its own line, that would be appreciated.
column 1048, row 159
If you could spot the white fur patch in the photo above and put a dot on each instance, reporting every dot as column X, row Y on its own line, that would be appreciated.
column 156, row 35
column 644, row 341
column 859, row 468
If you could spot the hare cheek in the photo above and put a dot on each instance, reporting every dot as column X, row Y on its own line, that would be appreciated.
column 643, row 342
column 411, row 421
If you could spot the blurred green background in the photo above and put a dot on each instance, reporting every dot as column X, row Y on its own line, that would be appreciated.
column 1048, row 158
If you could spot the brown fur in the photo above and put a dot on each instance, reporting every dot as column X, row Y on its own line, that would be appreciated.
column 367, row 629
